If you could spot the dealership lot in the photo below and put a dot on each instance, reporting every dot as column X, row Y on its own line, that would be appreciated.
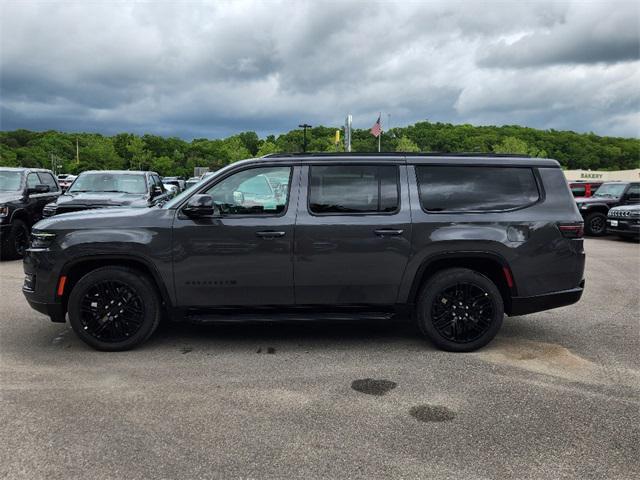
column 556, row 395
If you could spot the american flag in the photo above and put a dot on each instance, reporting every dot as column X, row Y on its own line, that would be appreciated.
column 376, row 130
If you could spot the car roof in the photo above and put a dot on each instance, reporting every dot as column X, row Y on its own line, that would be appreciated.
column 25, row 169
column 473, row 158
column 136, row 172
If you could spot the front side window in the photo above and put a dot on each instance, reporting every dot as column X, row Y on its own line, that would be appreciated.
column 353, row 189
column 633, row 194
column 110, row 182
column 465, row 189
column 256, row 191
column 47, row 179
column 32, row 180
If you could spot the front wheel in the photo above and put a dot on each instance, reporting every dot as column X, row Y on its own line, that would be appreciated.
column 17, row 241
column 596, row 224
column 114, row 308
column 459, row 310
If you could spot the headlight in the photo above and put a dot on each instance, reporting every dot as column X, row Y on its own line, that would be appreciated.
column 42, row 239
column 4, row 211
column 49, row 209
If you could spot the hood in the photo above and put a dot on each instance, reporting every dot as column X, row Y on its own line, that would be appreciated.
column 6, row 197
column 98, row 218
column 626, row 208
column 101, row 199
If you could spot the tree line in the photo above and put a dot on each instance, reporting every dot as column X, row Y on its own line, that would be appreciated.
column 76, row 152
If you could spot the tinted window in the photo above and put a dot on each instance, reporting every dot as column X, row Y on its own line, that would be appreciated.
column 633, row 193
column 610, row 190
column 110, row 182
column 47, row 179
column 578, row 190
column 462, row 189
column 256, row 191
column 353, row 189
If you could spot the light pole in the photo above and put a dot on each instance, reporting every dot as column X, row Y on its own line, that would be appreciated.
column 304, row 127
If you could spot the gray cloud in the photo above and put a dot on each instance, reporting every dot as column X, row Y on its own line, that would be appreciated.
column 213, row 69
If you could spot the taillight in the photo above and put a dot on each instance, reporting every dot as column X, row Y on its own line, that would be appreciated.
column 571, row 230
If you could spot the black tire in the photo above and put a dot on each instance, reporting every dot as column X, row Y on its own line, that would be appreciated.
column 16, row 242
column 114, row 308
column 596, row 224
column 478, row 303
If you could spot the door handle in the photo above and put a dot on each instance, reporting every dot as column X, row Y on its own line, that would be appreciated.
column 386, row 232
column 270, row 234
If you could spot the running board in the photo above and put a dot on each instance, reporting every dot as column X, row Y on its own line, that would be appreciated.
column 233, row 317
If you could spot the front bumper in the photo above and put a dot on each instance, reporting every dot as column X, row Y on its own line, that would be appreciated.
column 547, row 301
column 55, row 311
column 623, row 226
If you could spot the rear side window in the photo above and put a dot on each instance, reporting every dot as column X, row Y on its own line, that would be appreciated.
column 475, row 189
column 578, row 190
column 353, row 189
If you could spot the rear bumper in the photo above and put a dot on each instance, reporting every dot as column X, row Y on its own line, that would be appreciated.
column 538, row 303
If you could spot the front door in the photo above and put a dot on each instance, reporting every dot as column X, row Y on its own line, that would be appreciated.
column 243, row 256
column 353, row 234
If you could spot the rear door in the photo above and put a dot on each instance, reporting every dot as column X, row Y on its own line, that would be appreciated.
column 353, row 234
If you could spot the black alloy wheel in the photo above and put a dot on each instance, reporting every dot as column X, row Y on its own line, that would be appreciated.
column 459, row 310
column 596, row 224
column 114, row 308
column 111, row 311
column 462, row 313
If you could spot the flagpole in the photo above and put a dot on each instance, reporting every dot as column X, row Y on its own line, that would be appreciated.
column 380, row 136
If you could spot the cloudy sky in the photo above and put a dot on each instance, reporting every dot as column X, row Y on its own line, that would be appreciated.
column 210, row 69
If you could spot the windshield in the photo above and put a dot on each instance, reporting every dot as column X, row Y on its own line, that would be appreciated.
column 610, row 190
column 10, row 181
column 109, row 182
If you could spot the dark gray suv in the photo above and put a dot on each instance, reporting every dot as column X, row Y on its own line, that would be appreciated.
column 456, row 241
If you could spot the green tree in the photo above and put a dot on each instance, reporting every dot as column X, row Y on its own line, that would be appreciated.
column 405, row 144
column 140, row 158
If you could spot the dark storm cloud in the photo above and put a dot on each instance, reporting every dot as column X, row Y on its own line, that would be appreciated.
column 601, row 34
column 212, row 69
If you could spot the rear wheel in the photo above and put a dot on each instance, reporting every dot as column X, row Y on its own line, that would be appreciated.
column 460, row 310
column 17, row 241
column 114, row 308
column 596, row 224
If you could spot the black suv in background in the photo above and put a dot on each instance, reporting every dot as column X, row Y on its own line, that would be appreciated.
column 610, row 194
column 110, row 188
column 23, row 194
column 624, row 221
column 456, row 241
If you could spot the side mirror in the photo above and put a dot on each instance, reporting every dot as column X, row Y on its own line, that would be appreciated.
column 200, row 205
column 40, row 188
column 156, row 190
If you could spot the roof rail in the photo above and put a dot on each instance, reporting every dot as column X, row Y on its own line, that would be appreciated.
column 395, row 154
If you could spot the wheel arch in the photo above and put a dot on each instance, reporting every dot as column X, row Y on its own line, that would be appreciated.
column 491, row 265
column 78, row 268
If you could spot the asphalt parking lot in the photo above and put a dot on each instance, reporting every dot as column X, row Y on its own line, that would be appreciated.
column 556, row 395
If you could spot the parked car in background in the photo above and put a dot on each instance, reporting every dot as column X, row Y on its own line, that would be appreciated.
column 110, row 188
column 23, row 194
column 191, row 182
column 65, row 180
column 584, row 188
column 453, row 241
column 610, row 194
column 171, row 189
column 177, row 181
column 624, row 221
